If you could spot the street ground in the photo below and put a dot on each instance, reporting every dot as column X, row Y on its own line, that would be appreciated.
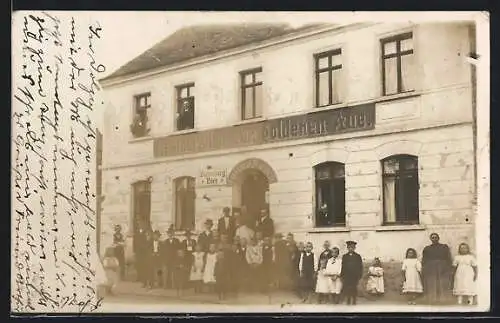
column 131, row 297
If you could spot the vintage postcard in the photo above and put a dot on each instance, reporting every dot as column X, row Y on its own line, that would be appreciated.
column 194, row 162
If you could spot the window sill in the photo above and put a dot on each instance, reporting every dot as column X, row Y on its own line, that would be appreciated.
column 329, row 229
column 140, row 139
column 183, row 132
column 253, row 120
column 400, row 227
column 398, row 96
column 328, row 107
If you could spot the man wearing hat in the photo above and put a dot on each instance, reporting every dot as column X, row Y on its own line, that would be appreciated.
column 351, row 273
column 188, row 246
column 169, row 255
column 265, row 224
column 206, row 237
column 119, row 248
column 226, row 224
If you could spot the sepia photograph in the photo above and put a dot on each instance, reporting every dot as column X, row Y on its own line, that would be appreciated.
column 195, row 162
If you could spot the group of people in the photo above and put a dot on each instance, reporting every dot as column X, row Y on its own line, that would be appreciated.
column 237, row 256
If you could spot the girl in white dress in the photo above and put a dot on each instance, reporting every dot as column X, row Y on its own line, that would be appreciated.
column 333, row 269
column 112, row 268
column 465, row 275
column 322, row 282
column 375, row 283
column 209, row 267
column 412, row 276
column 196, row 276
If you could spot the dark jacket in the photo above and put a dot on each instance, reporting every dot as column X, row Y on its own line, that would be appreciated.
column 204, row 240
column 169, row 250
column 352, row 268
column 266, row 226
column 230, row 230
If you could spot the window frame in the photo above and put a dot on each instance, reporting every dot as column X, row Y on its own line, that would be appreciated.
column 179, row 222
column 331, row 182
column 179, row 100
column 137, row 107
column 244, row 86
column 396, row 176
column 398, row 54
column 329, row 69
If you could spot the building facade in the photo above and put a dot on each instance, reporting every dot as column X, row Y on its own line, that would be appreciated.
column 343, row 132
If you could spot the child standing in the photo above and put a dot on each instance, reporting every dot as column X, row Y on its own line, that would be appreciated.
column 332, row 271
column 307, row 268
column 196, row 276
column 465, row 275
column 181, row 271
column 209, row 267
column 412, row 276
column 375, row 283
column 322, row 282
column 112, row 269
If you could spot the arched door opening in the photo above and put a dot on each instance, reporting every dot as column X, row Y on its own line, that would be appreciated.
column 254, row 195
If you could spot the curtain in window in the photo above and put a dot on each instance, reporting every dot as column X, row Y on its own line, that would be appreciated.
column 390, row 199
column 336, row 86
column 391, row 75
column 407, row 72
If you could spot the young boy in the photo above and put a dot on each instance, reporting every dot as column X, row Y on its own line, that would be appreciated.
column 307, row 270
column 352, row 270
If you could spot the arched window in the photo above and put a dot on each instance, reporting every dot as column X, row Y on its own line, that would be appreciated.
column 330, row 194
column 400, row 189
column 185, row 196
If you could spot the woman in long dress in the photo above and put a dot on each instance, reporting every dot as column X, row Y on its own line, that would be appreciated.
column 436, row 271
column 465, row 275
column 412, row 272
column 333, row 270
column 196, row 275
column 209, row 267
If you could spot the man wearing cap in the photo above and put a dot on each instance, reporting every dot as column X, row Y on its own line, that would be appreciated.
column 169, row 255
column 265, row 224
column 226, row 224
column 206, row 237
column 119, row 247
column 351, row 272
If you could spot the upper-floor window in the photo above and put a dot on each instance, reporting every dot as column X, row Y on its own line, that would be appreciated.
column 330, row 194
column 328, row 71
column 140, row 123
column 400, row 189
column 251, row 93
column 398, row 64
column 185, row 107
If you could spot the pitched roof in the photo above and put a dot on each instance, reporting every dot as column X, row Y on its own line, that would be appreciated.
column 197, row 41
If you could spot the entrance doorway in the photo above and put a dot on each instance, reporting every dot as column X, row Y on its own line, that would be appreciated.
column 254, row 191
column 141, row 209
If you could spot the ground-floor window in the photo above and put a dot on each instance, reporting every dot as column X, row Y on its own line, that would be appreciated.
column 330, row 194
column 400, row 189
column 141, row 207
column 185, row 196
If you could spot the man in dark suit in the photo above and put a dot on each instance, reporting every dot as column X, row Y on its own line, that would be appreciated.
column 155, row 264
column 169, row 255
column 352, row 270
column 226, row 224
column 206, row 237
column 188, row 246
column 265, row 224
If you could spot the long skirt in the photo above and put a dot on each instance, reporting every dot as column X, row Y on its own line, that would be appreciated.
column 437, row 281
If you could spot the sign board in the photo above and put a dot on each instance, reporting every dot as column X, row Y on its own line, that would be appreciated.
column 316, row 124
column 210, row 177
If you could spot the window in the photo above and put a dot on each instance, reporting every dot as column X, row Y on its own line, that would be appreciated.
column 330, row 194
column 397, row 64
column 185, row 106
column 141, row 208
column 328, row 67
column 251, row 94
column 140, row 124
column 185, row 196
column 400, row 189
